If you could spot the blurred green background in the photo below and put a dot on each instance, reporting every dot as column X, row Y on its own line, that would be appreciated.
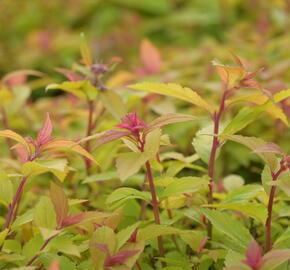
column 41, row 35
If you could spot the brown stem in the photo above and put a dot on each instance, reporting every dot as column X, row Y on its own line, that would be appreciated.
column 155, row 205
column 42, row 248
column 12, row 207
column 268, row 227
column 89, row 132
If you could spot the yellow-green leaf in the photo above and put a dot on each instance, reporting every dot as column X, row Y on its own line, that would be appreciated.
column 85, row 51
column 16, row 137
column 174, row 90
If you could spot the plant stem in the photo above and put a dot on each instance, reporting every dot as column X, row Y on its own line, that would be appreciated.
column 12, row 207
column 42, row 248
column 89, row 132
column 155, row 205
column 268, row 229
column 214, row 148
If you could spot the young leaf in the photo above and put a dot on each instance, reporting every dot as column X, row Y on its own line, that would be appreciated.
column 16, row 137
column 82, row 89
column 65, row 144
column 230, row 76
column 130, row 163
column 85, row 51
column 44, row 134
column 175, row 90
column 254, row 255
column 150, row 56
column 168, row 119
column 59, row 201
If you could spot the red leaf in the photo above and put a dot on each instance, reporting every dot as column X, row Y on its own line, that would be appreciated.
column 73, row 219
column 44, row 134
column 120, row 257
column 254, row 255
column 150, row 57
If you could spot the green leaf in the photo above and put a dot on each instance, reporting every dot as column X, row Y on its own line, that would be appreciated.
column 202, row 143
column 103, row 235
column 3, row 235
column 152, row 143
column 284, row 237
column 229, row 226
column 85, row 51
column 154, row 230
column 63, row 244
column 243, row 194
column 81, row 89
column 252, row 143
column 125, row 234
column 57, row 167
column 101, row 177
column 130, row 163
column 23, row 219
column 60, row 202
column 113, row 103
column 174, row 90
column 6, row 188
column 244, row 117
column 44, row 215
column 185, row 185
column 193, row 239
column 120, row 195
column 255, row 210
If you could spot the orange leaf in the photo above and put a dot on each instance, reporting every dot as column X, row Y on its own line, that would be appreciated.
column 150, row 56
column 69, row 145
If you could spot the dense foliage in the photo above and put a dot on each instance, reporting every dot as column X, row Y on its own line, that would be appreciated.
column 145, row 156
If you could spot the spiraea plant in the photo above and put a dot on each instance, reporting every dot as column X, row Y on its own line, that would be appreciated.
column 142, row 181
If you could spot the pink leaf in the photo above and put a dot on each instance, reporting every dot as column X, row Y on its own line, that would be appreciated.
column 268, row 148
column 109, row 136
column 254, row 255
column 132, row 122
column 54, row 265
column 44, row 134
column 150, row 57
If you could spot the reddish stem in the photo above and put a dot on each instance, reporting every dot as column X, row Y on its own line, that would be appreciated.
column 155, row 205
column 42, row 248
column 268, row 227
column 12, row 207
column 90, row 128
column 215, row 146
